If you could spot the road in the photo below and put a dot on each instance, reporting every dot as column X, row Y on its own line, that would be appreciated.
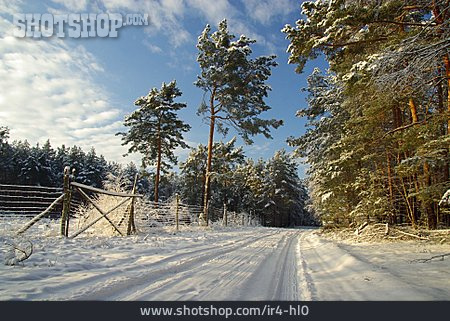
column 261, row 267
column 281, row 264
column 241, row 264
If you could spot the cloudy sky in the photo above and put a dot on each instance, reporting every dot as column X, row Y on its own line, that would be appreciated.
column 78, row 91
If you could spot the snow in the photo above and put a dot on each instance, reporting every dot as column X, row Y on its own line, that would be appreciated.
column 374, row 271
column 219, row 263
column 445, row 200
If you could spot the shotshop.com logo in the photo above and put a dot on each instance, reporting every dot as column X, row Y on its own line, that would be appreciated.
column 74, row 25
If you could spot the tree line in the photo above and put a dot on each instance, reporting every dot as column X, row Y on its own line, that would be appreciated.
column 270, row 190
column 379, row 117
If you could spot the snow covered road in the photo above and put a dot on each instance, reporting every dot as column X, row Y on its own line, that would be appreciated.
column 255, row 268
column 224, row 264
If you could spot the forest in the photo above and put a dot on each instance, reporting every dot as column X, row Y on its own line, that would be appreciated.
column 378, row 119
column 377, row 138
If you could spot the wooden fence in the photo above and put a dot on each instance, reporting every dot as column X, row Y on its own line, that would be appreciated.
column 28, row 201
column 135, row 212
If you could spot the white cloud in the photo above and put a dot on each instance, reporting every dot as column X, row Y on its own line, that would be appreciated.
column 73, row 5
column 153, row 48
column 165, row 17
column 214, row 11
column 258, row 149
column 48, row 91
column 10, row 7
column 264, row 11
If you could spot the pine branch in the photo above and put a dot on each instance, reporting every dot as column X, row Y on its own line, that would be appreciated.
column 405, row 23
column 409, row 125
column 350, row 43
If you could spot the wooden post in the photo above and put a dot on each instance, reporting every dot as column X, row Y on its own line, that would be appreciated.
column 176, row 212
column 243, row 219
column 69, row 199
column 38, row 217
column 204, row 217
column 65, row 209
column 225, row 217
column 131, row 226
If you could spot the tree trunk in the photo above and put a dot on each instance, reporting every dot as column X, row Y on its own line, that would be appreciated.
column 428, row 203
column 409, row 206
column 441, row 17
column 413, row 109
column 441, row 109
column 209, row 159
column 391, row 189
column 447, row 73
column 397, row 116
column 158, row 164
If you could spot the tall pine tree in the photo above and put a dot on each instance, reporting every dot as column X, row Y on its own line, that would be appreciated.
column 155, row 130
column 235, row 86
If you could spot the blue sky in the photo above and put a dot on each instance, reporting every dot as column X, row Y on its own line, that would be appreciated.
column 78, row 91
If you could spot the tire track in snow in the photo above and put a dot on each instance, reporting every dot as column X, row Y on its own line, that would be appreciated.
column 128, row 288
column 307, row 291
column 220, row 278
column 263, row 269
column 78, row 284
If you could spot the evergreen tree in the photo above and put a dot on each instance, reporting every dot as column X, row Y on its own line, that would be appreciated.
column 193, row 172
column 4, row 135
column 6, row 152
column 236, row 86
column 155, row 130
column 93, row 170
column 76, row 159
column 378, row 143
column 46, row 161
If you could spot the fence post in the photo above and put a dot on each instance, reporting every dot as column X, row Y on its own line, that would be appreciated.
column 176, row 211
column 65, row 209
column 225, row 214
column 69, row 199
column 131, row 227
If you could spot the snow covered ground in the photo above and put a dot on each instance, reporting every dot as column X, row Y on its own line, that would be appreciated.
column 251, row 263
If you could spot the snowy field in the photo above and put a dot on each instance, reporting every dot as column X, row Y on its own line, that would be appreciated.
column 251, row 263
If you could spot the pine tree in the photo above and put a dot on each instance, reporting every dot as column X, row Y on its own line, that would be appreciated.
column 93, row 170
column 226, row 157
column 76, row 159
column 236, row 86
column 6, row 152
column 193, row 171
column 382, row 151
column 4, row 135
column 155, row 130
